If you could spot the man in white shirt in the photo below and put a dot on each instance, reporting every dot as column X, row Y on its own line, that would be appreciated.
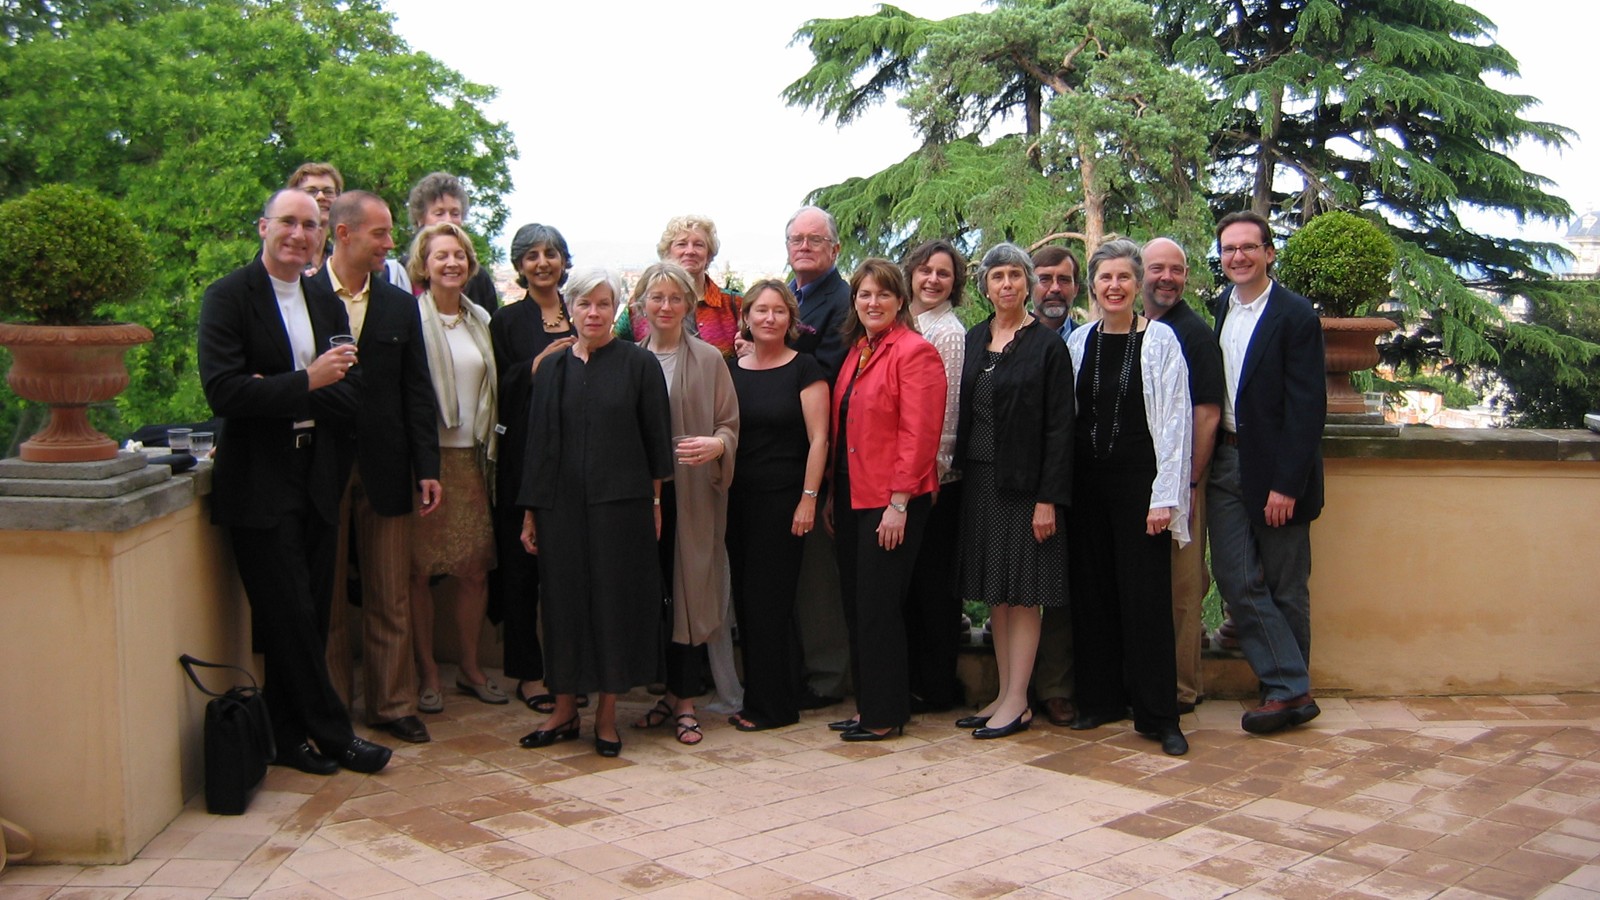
column 1266, row 476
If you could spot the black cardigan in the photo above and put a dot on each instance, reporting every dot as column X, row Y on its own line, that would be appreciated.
column 1033, row 411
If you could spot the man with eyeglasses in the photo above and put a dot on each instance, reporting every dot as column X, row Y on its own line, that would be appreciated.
column 1266, row 475
column 1166, row 273
column 286, row 394
column 324, row 183
column 812, row 239
column 1053, row 297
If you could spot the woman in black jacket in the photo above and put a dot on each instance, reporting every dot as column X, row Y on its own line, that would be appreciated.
column 1014, row 447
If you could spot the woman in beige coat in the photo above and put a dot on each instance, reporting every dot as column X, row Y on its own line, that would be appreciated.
column 694, row 504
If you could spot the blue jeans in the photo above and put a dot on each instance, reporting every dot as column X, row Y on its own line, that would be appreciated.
column 1263, row 574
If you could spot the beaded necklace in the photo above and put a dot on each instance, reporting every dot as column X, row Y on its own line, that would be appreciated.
column 1124, row 377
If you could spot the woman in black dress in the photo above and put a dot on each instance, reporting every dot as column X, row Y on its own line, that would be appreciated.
column 599, row 445
column 1014, row 443
column 521, row 333
column 783, row 451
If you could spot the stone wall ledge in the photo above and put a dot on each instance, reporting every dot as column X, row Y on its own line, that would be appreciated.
column 111, row 496
column 1469, row 444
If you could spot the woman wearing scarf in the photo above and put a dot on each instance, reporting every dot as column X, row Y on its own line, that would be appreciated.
column 459, row 539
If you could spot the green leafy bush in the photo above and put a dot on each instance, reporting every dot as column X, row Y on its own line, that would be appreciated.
column 1341, row 262
column 64, row 253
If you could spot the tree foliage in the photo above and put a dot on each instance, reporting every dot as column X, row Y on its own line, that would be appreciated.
column 191, row 111
column 1542, row 393
column 1341, row 262
column 1104, row 137
column 54, row 242
column 1383, row 106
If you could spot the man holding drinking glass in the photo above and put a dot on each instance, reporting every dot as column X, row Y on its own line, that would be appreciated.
column 271, row 373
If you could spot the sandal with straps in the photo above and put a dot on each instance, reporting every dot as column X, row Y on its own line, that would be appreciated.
column 685, row 729
column 656, row 717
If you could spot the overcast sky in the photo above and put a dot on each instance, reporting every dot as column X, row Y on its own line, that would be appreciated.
column 626, row 114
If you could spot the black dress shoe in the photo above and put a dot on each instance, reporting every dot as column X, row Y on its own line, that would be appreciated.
column 608, row 749
column 1185, row 707
column 1020, row 723
column 307, row 760
column 1089, row 721
column 544, row 737
column 364, row 756
column 1173, row 743
column 844, row 725
column 407, row 728
column 866, row 734
column 967, row 723
column 810, row 699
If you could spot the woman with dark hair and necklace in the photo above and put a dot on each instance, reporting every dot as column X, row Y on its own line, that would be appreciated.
column 523, row 333
column 1130, row 488
column 1014, row 446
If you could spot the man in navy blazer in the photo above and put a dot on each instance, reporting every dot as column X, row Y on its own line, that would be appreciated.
column 280, row 467
column 396, row 438
column 1266, row 476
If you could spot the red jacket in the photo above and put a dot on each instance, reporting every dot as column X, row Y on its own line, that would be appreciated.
column 896, row 418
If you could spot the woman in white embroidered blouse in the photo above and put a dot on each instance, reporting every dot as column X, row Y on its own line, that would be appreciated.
column 1131, row 462
column 937, row 274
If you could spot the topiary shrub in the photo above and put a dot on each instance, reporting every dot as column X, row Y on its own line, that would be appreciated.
column 1341, row 262
column 65, row 252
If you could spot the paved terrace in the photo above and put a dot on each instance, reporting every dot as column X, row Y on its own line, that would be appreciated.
column 1449, row 797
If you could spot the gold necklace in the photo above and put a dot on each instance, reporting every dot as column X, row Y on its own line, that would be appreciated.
column 450, row 321
column 557, row 322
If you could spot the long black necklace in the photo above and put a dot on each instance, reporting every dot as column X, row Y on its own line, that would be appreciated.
column 1124, row 378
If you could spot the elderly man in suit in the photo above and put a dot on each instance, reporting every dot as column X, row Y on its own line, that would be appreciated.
column 396, row 463
column 279, row 470
column 1266, row 474
column 812, row 239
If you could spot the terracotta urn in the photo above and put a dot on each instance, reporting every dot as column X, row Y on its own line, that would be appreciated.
column 1351, row 346
column 69, row 367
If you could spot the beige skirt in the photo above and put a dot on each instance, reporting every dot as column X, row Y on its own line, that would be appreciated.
column 457, row 538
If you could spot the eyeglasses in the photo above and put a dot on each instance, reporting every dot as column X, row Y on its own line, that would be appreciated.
column 319, row 191
column 1062, row 280
column 809, row 240
column 1231, row 249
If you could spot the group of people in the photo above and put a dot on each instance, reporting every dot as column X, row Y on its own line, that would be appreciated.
column 835, row 465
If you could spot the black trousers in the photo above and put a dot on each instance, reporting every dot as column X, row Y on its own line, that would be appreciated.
column 514, row 584
column 683, row 665
column 873, row 584
column 933, row 607
column 1122, row 643
column 287, row 570
column 764, row 557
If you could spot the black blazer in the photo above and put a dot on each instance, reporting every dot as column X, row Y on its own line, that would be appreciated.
column 1033, row 400
column 823, row 314
column 395, row 432
column 1281, row 405
column 241, row 336
column 517, row 332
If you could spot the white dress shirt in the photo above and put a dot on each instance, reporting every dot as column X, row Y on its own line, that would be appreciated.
column 1237, row 329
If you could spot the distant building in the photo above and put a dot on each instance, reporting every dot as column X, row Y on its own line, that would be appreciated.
column 1583, row 238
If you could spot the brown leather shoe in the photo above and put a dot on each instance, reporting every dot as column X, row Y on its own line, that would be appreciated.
column 1059, row 711
column 1277, row 715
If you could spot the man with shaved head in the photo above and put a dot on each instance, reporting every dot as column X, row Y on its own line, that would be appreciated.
column 1166, row 273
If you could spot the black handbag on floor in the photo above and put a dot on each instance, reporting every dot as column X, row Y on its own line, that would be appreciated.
column 238, row 738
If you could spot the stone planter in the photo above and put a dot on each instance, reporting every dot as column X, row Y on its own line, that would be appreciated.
column 69, row 367
column 1351, row 346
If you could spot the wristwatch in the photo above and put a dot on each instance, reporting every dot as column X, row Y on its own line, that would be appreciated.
column 897, row 507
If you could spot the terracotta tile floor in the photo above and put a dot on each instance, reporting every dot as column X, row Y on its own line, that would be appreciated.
column 1449, row 797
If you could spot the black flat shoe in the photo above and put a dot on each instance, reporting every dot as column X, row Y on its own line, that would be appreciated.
column 544, row 737
column 844, row 725
column 967, row 723
column 1020, row 723
column 364, row 756
column 866, row 734
column 307, row 760
column 406, row 728
column 1088, row 722
column 608, row 749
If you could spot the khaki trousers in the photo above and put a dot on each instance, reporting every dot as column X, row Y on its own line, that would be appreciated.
column 389, row 672
column 1190, row 582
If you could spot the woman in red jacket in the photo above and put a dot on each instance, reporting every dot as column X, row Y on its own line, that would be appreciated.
column 888, row 416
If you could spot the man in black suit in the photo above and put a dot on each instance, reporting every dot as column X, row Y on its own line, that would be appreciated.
column 812, row 238
column 396, row 456
column 1266, row 475
column 279, row 469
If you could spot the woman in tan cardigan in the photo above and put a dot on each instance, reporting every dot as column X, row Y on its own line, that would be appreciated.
column 694, row 504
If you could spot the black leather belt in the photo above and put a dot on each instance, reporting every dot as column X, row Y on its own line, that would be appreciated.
column 1227, row 437
column 301, row 439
